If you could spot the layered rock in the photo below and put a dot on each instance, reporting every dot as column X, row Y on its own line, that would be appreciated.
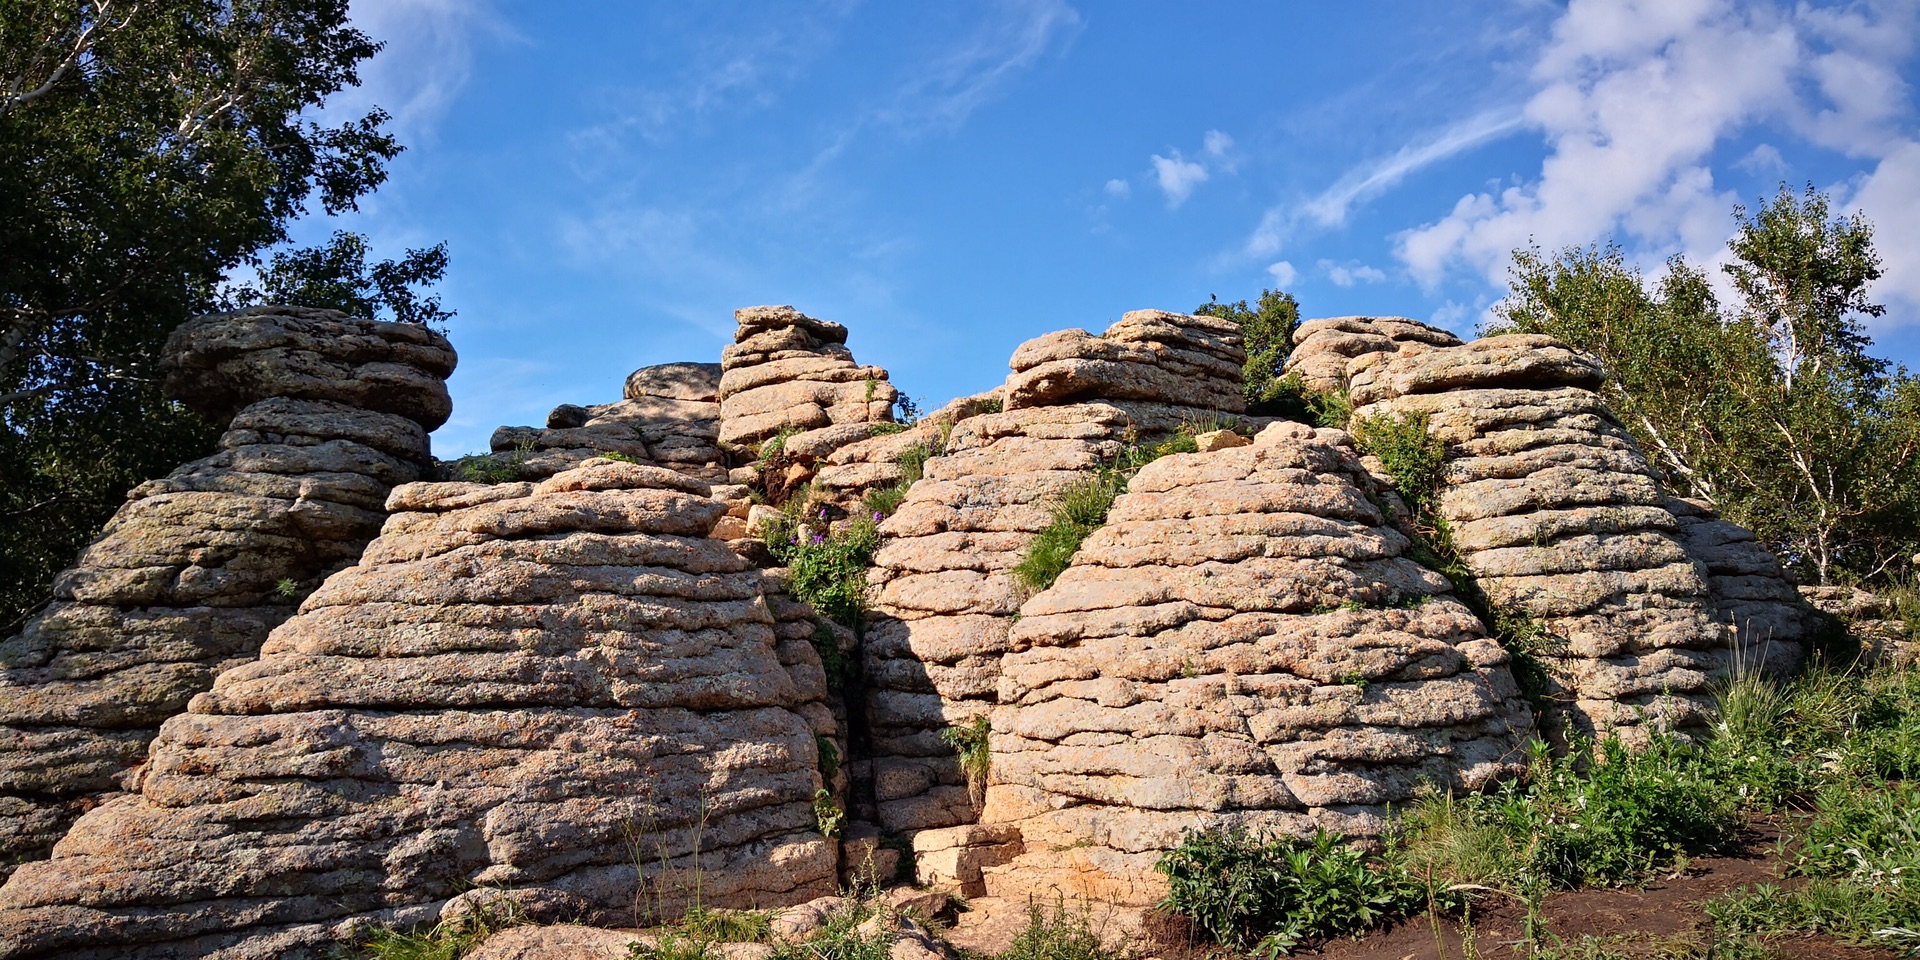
column 1767, row 621
column 564, row 689
column 670, row 416
column 1560, row 517
column 1243, row 644
column 946, row 592
column 1149, row 355
column 786, row 371
column 1322, row 347
column 327, row 414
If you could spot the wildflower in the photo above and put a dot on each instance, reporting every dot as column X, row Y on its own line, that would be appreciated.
column 876, row 516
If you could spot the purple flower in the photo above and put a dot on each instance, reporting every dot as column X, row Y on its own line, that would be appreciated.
column 876, row 516
column 819, row 538
column 823, row 513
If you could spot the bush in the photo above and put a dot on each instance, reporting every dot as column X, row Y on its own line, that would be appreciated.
column 1269, row 894
column 971, row 741
column 1412, row 457
column 827, row 569
column 1080, row 509
column 1060, row 935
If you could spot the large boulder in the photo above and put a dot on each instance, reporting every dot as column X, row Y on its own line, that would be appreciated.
column 1323, row 346
column 786, row 371
column 328, row 413
column 1149, row 355
column 669, row 416
column 1243, row 644
column 563, row 689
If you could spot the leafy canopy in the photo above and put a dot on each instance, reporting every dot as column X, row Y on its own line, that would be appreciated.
column 1267, row 326
column 1771, row 406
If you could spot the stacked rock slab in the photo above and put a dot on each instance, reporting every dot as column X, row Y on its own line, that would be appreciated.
column 670, row 416
column 947, row 594
column 1559, row 516
column 1766, row 619
column 1243, row 644
column 559, row 689
column 1323, row 346
column 327, row 414
column 786, row 371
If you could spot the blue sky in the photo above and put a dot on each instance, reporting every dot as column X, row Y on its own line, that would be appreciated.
column 950, row 180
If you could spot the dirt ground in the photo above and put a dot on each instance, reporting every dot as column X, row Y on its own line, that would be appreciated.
column 1656, row 921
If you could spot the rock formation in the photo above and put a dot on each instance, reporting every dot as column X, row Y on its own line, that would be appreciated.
column 1323, row 346
column 1560, row 517
column 1767, row 622
column 556, row 688
column 327, row 413
column 1243, row 643
column 670, row 417
column 787, row 371
column 946, row 593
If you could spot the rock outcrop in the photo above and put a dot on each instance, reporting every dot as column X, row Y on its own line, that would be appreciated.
column 946, row 594
column 786, row 371
column 670, row 416
column 558, row 688
column 1243, row 643
column 1560, row 517
column 1767, row 621
column 327, row 413
column 1323, row 346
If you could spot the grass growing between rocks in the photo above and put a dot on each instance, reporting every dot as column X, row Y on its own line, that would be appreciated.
column 1828, row 758
column 1059, row 934
column 1082, row 507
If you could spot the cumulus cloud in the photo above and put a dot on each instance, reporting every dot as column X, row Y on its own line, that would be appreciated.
column 1633, row 96
column 1119, row 188
column 1343, row 275
column 1178, row 176
column 1889, row 196
column 1283, row 273
column 1217, row 144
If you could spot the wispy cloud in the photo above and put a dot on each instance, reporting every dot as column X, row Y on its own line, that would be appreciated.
column 945, row 91
column 1119, row 188
column 1330, row 207
column 1346, row 275
column 427, row 60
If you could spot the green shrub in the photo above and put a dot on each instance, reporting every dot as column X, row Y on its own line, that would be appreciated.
column 1079, row 510
column 827, row 569
column 828, row 818
column 727, row 926
column 883, row 500
column 774, row 448
column 1412, row 457
column 673, row 946
column 1059, row 935
column 913, row 462
column 971, row 741
column 1269, row 894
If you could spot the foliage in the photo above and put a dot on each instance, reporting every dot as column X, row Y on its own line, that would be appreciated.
column 1268, row 894
column 971, row 740
column 1412, row 457
column 146, row 151
column 826, row 565
column 838, row 667
column 840, row 940
column 1267, row 328
column 447, row 940
column 727, row 926
column 337, row 275
column 1059, row 935
column 828, row 818
column 1079, row 510
column 1770, row 407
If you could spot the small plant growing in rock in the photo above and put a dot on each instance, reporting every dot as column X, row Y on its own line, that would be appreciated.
column 622, row 457
column 971, row 741
column 287, row 589
column 1058, row 935
column 827, row 568
column 827, row 815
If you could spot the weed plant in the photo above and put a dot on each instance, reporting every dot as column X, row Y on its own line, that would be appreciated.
column 1059, row 934
column 1082, row 508
column 827, row 565
column 971, row 741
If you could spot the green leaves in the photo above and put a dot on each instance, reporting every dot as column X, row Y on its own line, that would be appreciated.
column 1267, row 327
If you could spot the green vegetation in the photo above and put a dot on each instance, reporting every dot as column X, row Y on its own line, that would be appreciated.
column 447, row 940
column 1266, row 895
column 827, row 565
column 828, row 818
column 971, row 740
column 148, row 154
column 840, row 940
column 1412, row 457
column 1058, row 934
column 1267, row 328
column 1079, row 510
column 1770, row 406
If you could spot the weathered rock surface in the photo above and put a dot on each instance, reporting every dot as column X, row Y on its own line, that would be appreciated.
column 669, row 417
column 327, row 413
column 1559, row 516
column 1242, row 644
column 1755, row 599
column 1322, row 347
column 519, row 685
column 1150, row 355
column 788, row 371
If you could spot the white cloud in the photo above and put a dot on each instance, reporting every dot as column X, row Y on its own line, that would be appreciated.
column 1763, row 161
column 1889, row 197
column 1634, row 96
column 952, row 86
column 1346, row 276
column 1178, row 176
column 1119, row 188
column 1217, row 143
column 427, row 59
column 1329, row 208
column 1282, row 272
